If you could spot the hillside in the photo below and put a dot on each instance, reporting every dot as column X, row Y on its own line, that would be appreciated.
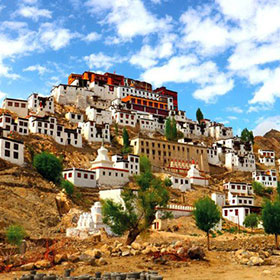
column 270, row 141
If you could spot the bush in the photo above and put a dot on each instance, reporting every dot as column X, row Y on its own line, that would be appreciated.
column 258, row 188
column 167, row 182
column 48, row 165
column 268, row 190
column 251, row 221
column 15, row 234
column 68, row 187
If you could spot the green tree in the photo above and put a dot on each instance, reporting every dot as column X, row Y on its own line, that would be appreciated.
column 247, row 135
column 173, row 129
column 251, row 221
column 15, row 234
column 139, row 209
column 207, row 215
column 167, row 182
column 126, row 142
column 199, row 115
column 271, row 218
column 49, row 166
column 278, row 188
column 258, row 188
column 145, row 165
column 68, row 187
column 116, row 128
column 168, row 129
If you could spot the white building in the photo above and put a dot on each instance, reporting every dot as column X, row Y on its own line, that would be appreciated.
column 106, row 173
column 238, row 206
column 19, row 125
column 195, row 178
column 267, row 178
column 94, row 132
column 124, row 117
column 114, row 194
column 12, row 150
column 219, row 198
column 130, row 162
column 49, row 126
column 240, row 188
column 213, row 156
column 151, row 123
column 99, row 116
column 17, row 106
column 245, row 163
column 74, row 117
column 37, row 103
column 219, row 131
column 80, row 177
column 236, row 145
column 267, row 157
column 182, row 184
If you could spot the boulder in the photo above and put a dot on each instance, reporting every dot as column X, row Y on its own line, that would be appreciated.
column 102, row 261
column 94, row 253
column 125, row 253
column 196, row 253
column 255, row 261
column 42, row 264
column 28, row 266
column 59, row 258
column 136, row 246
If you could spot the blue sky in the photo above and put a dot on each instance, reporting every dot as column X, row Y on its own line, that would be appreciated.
column 222, row 56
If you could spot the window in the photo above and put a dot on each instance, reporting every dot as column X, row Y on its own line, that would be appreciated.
column 7, row 153
column 104, row 173
column 7, row 145
column 16, row 104
column 91, row 177
column 79, row 175
column 22, row 105
column 16, row 146
column 236, row 212
column 10, row 103
column 85, row 176
column 16, row 155
column 226, row 212
column 69, row 175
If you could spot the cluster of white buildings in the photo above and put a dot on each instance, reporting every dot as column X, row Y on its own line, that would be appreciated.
column 237, row 203
column 267, row 157
column 267, row 178
column 105, row 171
column 232, row 153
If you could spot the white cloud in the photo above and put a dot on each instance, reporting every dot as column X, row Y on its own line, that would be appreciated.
column 234, row 109
column 156, row 1
column 54, row 36
column 33, row 12
column 129, row 17
column 93, row 36
column 40, row 69
column 148, row 56
column 102, row 61
column 232, row 118
column 267, row 124
column 29, row 1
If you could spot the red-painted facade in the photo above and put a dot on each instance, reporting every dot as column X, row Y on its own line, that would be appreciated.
column 167, row 92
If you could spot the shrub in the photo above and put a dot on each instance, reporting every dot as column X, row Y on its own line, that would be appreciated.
column 258, row 188
column 15, row 234
column 48, row 165
column 268, row 190
column 251, row 221
column 167, row 182
column 67, row 186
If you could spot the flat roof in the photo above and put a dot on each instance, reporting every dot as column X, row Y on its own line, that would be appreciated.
column 78, row 169
column 21, row 100
column 10, row 139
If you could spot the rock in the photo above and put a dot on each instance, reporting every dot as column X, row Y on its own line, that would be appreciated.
column 74, row 257
column 28, row 266
column 178, row 244
column 196, row 253
column 136, row 246
column 87, row 259
column 181, row 251
column 102, row 261
column 255, row 261
column 244, row 261
column 163, row 250
column 266, row 272
column 42, row 264
column 59, row 258
column 94, row 253
column 125, row 253
column 267, row 261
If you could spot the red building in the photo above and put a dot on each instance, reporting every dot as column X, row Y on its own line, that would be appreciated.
column 167, row 92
